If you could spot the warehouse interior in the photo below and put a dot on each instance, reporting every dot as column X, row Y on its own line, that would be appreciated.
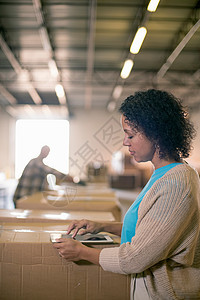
column 63, row 60
column 65, row 68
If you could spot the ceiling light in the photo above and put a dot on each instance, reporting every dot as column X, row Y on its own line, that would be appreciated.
column 111, row 106
column 59, row 90
column 138, row 40
column 126, row 68
column 153, row 4
column 117, row 91
column 60, row 94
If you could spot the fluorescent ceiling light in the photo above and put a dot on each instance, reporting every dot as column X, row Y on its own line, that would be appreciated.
column 138, row 40
column 126, row 68
column 117, row 91
column 111, row 106
column 60, row 94
column 153, row 4
column 59, row 90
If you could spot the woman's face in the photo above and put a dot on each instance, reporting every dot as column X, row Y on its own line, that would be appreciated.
column 140, row 147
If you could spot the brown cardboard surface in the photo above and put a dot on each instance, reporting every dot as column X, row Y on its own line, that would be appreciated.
column 40, row 201
column 22, row 215
column 30, row 227
column 31, row 269
column 93, row 189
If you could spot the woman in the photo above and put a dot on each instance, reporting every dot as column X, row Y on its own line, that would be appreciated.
column 160, row 235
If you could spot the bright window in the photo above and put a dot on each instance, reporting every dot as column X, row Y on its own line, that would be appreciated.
column 31, row 135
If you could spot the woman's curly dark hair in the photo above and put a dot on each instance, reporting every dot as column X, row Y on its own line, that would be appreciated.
column 163, row 119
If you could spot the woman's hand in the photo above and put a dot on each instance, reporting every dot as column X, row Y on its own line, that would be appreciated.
column 69, row 249
column 73, row 250
column 85, row 226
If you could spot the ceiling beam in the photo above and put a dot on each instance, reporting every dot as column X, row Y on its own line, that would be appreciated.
column 165, row 67
column 10, row 56
column 12, row 100
column 18, row 69
column 49, row 49
column 16, row 66
column 193, row 22
column 90, row 53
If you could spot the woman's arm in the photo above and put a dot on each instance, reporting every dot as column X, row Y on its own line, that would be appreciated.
column 86, row 226
column 112, row 227
column 166, row 218
column 73, row 250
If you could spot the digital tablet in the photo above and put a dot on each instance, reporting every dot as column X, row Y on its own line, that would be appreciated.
column 85, row 239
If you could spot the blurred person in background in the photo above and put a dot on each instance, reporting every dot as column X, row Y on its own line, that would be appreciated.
column 33, row 178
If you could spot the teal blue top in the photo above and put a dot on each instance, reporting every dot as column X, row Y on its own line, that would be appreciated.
column 131, row 217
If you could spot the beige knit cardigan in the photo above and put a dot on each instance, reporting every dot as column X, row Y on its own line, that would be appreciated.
column 166, row 245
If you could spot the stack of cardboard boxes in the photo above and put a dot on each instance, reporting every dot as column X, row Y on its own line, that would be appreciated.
column 31, row 269
column 74, row 199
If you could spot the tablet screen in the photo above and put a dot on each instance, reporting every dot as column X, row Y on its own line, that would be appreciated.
column 86, row 238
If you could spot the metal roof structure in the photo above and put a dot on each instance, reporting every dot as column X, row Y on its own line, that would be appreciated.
column 82, row 46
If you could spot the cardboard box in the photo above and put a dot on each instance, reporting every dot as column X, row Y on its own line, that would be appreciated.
column 31, row 269
column 46, row 216
column 95, row 189
column 52, row 201
column 125, row 181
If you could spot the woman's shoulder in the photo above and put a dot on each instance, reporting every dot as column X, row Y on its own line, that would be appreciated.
column 179, row 181
column 183, row 170
column 182, row 177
